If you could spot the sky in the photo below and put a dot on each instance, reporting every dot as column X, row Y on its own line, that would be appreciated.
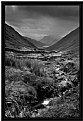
column 39, row 21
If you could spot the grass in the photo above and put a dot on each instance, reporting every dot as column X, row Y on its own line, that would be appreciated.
column 65, row 107
column 19, row 95
column 34, row 65
column 27, row 84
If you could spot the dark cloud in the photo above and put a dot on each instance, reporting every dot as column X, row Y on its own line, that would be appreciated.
column 67, row 12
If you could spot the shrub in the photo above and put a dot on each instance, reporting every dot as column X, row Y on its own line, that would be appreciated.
column 13, row 74
column 17, row 96
column 45, row 88
column 36, row 68
column 28, row 63
column 70, row 68
column 19, row 63
column 65, row 107
column 29, row 79
column 9, row 62
column 15, row 62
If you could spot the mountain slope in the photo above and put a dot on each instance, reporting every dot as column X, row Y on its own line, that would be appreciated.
column 35, row 42
column 14, row 40
column 67, row 43
column 49, row 40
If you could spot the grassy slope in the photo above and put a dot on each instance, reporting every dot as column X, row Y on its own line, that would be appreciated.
column 49, row 40
column 14, row 40
column 35, row 42
column 69, row 42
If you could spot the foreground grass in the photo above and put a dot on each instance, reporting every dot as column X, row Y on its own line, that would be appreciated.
column 28, row 82
column 65, row 107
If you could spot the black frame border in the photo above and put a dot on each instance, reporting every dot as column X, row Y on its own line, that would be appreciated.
column 39, row 3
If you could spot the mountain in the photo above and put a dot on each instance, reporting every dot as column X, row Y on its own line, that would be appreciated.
column 67, row 43
column 14, row 40
column 35, row 42
column 49, row 40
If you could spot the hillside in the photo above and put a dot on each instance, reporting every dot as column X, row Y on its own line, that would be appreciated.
column 67, row 43
column 35, row 42
column 49, row 40
column 14, row 40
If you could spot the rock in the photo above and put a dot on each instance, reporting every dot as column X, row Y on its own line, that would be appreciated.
column 46, row 102
column 57, row 69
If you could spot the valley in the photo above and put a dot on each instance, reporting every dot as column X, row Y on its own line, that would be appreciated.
column 41, row 82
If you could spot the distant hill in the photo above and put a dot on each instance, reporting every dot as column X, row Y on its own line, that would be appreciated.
column 67, row 43
column 49, row 40
column 35, row 42
column 14, row 40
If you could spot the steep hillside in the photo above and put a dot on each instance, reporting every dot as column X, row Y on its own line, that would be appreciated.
column 14, row 40
column 67, row 43
column 35, row 42
column 49, row 40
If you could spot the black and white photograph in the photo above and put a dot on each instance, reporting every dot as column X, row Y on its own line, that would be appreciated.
column 42, row 61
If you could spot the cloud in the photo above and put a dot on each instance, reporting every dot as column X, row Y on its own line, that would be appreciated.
column 52, row 11
column 39, row 21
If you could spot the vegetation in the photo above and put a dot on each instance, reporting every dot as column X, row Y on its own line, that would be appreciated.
column 28, row 82
column 65, row 107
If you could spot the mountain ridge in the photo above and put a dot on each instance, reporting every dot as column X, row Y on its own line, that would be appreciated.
column 35, row 42
column 69, row 42
column 50, row 39
column 14, row 40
